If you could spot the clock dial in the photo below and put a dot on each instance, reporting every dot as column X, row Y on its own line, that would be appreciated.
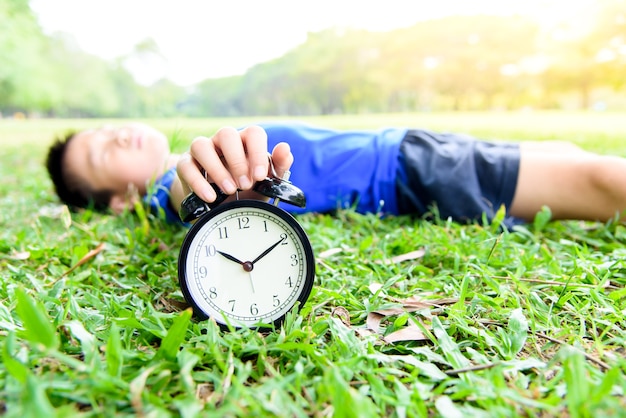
column 246, row 263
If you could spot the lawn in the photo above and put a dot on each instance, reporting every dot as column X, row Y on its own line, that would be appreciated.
column 407, row 318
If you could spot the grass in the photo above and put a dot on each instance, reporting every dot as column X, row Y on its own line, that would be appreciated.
column 478, row 323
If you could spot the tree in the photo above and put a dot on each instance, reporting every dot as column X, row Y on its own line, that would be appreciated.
column 22, row 71
column 589, row 52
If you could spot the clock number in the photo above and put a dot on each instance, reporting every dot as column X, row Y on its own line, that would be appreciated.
column 243, row 222
column 232, row 305
column 254, row 309
column 223, row 232
column 203, row 272
column 276, row 301
column 284, row 238
column 294, row 260
column 212, row 293
column 210, row 250
column 289, row 283
column 265, row 225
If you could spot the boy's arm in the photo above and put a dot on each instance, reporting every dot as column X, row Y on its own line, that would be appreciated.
column 231, row 159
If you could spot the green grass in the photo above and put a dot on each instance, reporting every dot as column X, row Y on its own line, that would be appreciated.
column 522, row 323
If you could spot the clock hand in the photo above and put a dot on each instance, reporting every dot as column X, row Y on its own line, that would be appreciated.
column 230, row 257
column 251, row 281
column 247, row 265
column 266, row 252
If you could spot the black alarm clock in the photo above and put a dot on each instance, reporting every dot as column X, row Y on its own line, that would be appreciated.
column 246, row 263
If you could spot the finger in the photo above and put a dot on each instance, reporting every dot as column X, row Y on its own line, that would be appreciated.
column 192, row 178
column 282, row 158
column 207, row 153
column 255, row 141
column 232, row 145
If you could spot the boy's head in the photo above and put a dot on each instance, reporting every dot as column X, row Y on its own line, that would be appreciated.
column 100, row 166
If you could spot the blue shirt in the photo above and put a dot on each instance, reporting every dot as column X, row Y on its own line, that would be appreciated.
column 335, row 169
column 158, row 197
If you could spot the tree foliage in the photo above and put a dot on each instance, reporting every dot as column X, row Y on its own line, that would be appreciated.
column 21, row 45
column 461, row 62
column 458, row 62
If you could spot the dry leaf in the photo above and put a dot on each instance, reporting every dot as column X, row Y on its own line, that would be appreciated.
column 409, row 333
column 171, row 305
column 404, row 308
column 204, row 392
column 375, row 287
column 329, row 252
column 418, row 301
column 413, row 255
column 413, row 304
column 373, row 321
column 23, row 255
column 364, row 332
column 91, row 254
column 341, row 313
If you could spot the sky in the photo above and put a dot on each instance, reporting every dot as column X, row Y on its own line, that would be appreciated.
column 200, row 39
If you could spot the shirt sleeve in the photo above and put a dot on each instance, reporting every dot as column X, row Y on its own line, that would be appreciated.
column 158, row 198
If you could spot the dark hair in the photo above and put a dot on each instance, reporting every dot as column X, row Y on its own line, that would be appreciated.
column 71, row 189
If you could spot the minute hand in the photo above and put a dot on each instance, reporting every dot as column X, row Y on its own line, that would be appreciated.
column 266, row 252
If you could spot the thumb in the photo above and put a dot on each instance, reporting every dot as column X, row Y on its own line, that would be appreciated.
column 282, row 158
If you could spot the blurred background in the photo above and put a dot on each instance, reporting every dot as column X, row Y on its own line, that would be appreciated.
column 139, row 58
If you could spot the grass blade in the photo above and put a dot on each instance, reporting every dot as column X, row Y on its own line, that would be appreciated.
column 175, row 336
column 38, row 328
column 114, row 355
column 15, row 367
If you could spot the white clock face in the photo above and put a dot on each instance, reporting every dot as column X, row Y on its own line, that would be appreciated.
column 247, row 264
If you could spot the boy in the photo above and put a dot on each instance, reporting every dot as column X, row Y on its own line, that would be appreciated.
column 389, row 171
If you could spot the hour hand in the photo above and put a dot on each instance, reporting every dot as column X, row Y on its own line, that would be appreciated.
column 230, row 257
column 247, row 265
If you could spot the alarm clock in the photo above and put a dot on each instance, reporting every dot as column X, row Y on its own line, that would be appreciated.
column 246, row 263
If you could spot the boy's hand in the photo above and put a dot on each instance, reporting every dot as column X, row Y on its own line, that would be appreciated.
column 231, row 159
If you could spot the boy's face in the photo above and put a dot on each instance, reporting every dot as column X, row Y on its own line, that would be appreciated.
column 116, row 158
